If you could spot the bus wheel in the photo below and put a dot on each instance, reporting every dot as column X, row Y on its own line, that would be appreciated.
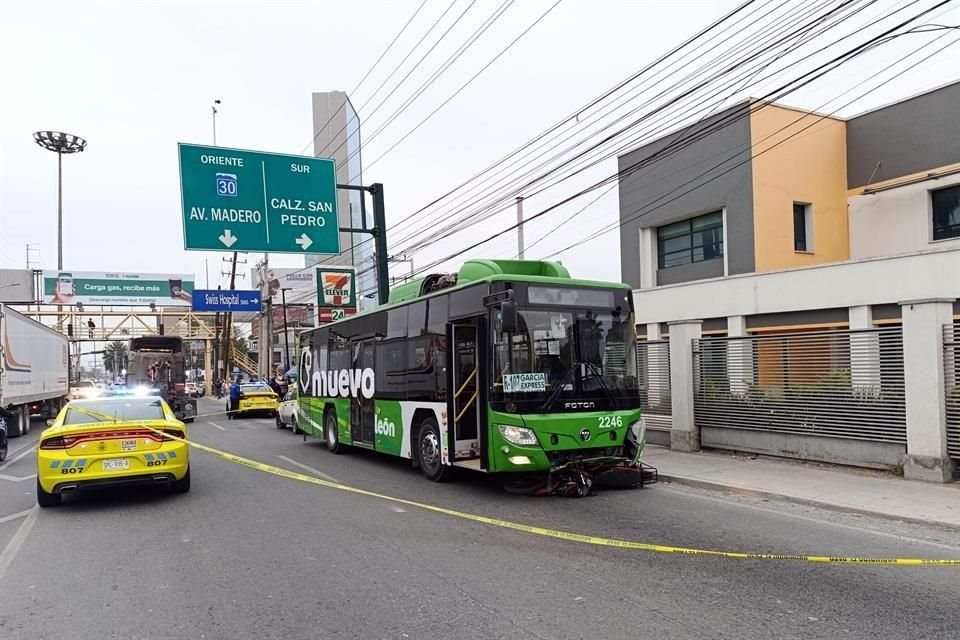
column 332, row 434
column 429, row 452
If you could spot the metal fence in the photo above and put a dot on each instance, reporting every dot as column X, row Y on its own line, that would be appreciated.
column 951, row 365
column 653, row 374
column 841, row 384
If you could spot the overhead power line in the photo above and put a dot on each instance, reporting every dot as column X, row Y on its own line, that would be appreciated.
column 497, row 13
column 460, row 89
column 365, row 75
column 675, row 103
column 706, row 30
column 639, row 213
column 787, row 88
column 511, row 198
column 394, row 71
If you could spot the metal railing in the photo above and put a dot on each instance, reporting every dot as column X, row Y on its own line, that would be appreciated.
column 653, row 375
column 123, row 325
column 840, row 384
column 242, row 361
column 951, row 371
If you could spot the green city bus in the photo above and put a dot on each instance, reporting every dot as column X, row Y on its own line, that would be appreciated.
column 507, row 366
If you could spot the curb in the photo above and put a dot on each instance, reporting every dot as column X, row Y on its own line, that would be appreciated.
column 812, row 502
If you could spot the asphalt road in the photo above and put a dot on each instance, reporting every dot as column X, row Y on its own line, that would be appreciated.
column 251, row 555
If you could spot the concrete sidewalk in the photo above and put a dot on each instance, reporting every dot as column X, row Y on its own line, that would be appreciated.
column 854, row 490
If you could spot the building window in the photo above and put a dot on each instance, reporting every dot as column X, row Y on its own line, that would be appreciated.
column 693, row 240
column 946, row 213
column 802, row 227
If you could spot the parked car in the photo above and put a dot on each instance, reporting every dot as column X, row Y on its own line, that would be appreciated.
column 257, row 397
column 287, row 413
column 191, row 389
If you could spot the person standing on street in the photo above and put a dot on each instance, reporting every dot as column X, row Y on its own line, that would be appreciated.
column 234, row 399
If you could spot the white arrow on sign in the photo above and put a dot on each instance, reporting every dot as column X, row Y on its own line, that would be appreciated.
column 228, row 238
column 304, row 241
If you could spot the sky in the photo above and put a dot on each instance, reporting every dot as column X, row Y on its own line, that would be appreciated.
column 136, row 78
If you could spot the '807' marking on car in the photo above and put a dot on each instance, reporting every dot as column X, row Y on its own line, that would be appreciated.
column 70, row 466
column 159, row 459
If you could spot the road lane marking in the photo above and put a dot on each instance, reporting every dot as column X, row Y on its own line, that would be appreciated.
column 798, row 516
column 568, row 535
column 214, row 424
column 9, row 478
column 10, row 552
column 14, row 516
column 310, row 469
column 19, row 454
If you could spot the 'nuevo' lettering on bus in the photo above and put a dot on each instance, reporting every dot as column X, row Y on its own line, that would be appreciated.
column 336, row 383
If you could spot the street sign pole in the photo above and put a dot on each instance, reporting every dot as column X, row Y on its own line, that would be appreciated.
column 380, row 239
column 379, row 233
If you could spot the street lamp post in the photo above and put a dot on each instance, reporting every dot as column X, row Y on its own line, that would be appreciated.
column 61, row 143
column 286, row 338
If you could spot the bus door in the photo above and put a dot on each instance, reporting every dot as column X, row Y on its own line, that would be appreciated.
column 464, row 404
column 361, row 409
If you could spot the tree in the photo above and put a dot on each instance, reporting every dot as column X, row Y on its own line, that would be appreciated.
column 240, row 343
column 116, row 357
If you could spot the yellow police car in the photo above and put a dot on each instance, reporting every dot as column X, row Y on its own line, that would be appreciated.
column 107, row 442
column 257, row 397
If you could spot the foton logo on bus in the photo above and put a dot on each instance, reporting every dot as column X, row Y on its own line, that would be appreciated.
column 337, row 383
column 336, row 288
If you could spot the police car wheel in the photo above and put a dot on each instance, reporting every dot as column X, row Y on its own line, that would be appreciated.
column 45, row 499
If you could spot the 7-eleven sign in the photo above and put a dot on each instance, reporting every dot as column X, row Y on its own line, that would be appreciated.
column 337, row 288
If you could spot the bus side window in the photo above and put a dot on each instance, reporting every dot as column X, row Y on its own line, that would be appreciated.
column 437, row 317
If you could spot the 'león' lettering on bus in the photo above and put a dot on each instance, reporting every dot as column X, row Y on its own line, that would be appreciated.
column 338, row 383
column 385, row 428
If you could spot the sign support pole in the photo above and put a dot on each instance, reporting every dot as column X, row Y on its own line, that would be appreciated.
column 379, row 233
column 380, row 238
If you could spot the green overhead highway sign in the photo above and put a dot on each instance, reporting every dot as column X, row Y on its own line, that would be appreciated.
column 240, row 200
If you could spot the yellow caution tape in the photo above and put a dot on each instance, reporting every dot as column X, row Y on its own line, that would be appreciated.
column 564, row 535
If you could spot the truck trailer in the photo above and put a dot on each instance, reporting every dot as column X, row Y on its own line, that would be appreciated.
column 34, row 370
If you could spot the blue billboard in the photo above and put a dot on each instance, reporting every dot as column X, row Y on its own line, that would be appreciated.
column 225, row 300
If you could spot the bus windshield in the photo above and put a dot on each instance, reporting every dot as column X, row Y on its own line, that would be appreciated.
column 559, row 355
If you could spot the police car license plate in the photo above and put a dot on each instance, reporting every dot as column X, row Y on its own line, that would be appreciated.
column 118, row 464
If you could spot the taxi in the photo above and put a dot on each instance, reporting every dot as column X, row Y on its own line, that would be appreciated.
column 107, row 442
column 258, row 397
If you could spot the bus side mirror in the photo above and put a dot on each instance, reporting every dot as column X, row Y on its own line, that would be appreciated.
column 508, row 316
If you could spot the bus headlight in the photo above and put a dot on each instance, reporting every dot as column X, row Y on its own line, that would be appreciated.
column 520, row 436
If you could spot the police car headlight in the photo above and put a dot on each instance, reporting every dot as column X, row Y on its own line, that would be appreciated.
column 518, row 435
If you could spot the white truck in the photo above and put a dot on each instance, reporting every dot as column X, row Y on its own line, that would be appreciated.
column 34, row 370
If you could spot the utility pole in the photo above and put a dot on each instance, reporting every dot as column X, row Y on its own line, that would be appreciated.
column 265, row 339
column 217, row 317
column 286, row 338
column 520, row 227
